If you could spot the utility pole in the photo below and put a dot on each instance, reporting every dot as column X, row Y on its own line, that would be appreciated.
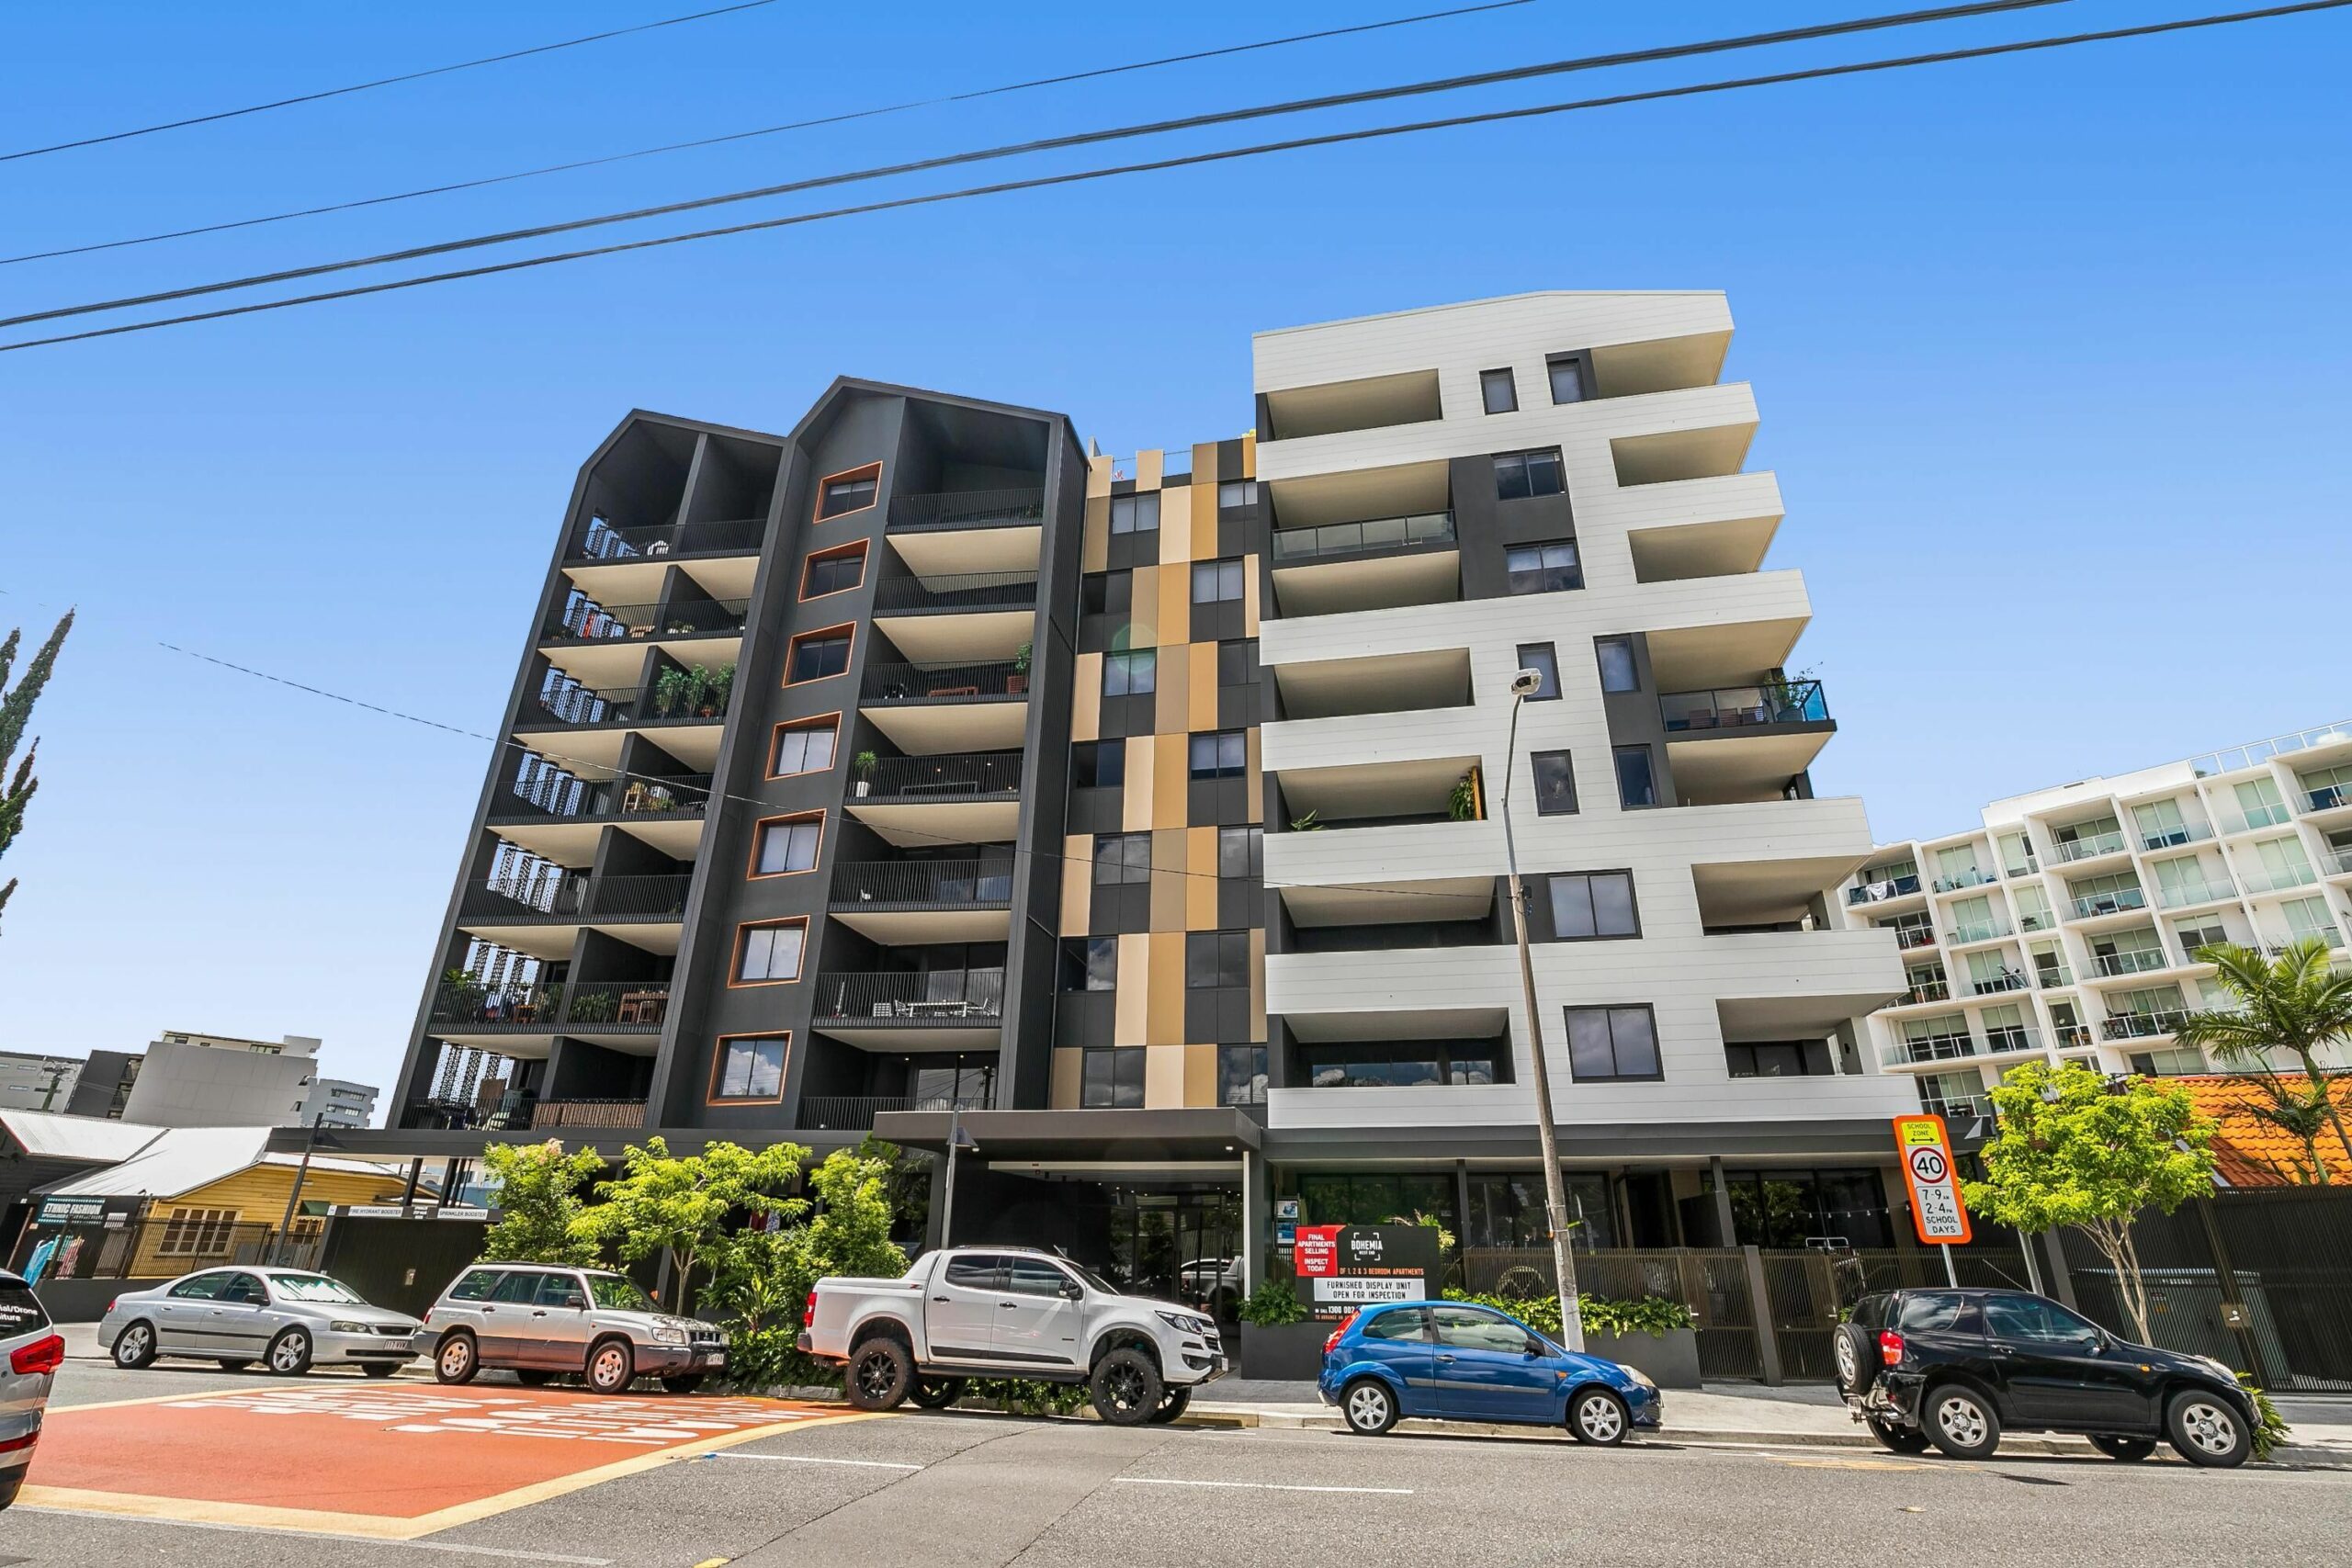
column 955, row 1139
column 294, row 1197
column 1555, row 1186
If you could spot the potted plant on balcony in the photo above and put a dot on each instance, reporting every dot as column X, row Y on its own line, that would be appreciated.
column 864, row 763
column 1461, row 801
column 697, row 694
column 722, row 685
column 1018, row 681
column 669, row 692
column 595, row 1007
column 1787, row 696
column 462, row 993
column 1307, row 823
column 548, row 1003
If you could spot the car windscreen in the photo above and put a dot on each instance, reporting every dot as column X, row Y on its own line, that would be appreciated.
column 1092, row 1281
column 20, row 1310
column 619, row 1294
column 314, row 1288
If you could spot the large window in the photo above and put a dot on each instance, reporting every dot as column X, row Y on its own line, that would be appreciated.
column 749, row 1067
column 804, row 746
column 1122, row 859
column 1216, row 581
column 1779, row 1059
column 1241, row 851
column 1237, row 493
column 1566, row 372
column 769, row 954
column 1507, row 1210
column 1613, row 1045
column 1222, row 755
column 1789, row 1209
column 1089, row 964
column 1542, row 658
column 1637, row 782
column 1135, row 513
column 1547, row 568
column 786, row 844
column 815, row 655
column 1498, row 391
column 835, row 571
column 1112, row 1079
column 846, row 493
column 1106, row 593
column 1519, row 475
column 1216, row 959
column 1132, row 675
column 1098, row 764
column 1556, row 783
column 197, row 1232
column 1590, row 904
column 1618, row 673
column 1241, row 1074
column 1401, row 1065
column 1237, row 662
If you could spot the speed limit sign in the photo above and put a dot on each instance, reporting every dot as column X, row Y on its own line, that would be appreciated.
column 1936, row 1207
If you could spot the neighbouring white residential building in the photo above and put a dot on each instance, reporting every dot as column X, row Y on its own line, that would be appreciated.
column 2066, row 925
column 34, row 1080
column 339, row 1102
column 220, row 1080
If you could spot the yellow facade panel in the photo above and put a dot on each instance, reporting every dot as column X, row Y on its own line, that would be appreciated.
column 1168, row 879
column 1094, row 535
column 1169, row 795
column 1130, row 1015
column 1098, row 476
column 1199, row 1074
column 1086, row 698
column 1164, row 1012
column 1175, row 610
column 1172, row 706
column 1142, row 787
column 1077, row 884
column 1143, row 611
column 1200, row 659
column 1250, row 596
column 1251, row 782
column 1176, row 525
column 1163, row 1078
column 1200, row 881
column 1063, row 1094
column 1148, row 466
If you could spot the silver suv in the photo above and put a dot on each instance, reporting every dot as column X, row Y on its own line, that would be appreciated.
column 538, row 1321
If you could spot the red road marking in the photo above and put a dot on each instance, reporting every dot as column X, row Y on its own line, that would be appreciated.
column 393, row 1453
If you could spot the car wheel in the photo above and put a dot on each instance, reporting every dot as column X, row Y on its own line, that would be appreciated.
column 1855, row 1350
column 1897, row 1439
column 379, row 1368
column 1368, row 1405
column 290, row 1354
column 1125, row 1386
column 1171, row 1405
column 10, row 1482
column 231, row 1364
column 135, row 1347
column 2205, row 1430
column 457, row 1362
column 937, row 1394
column 612, row 1366
column 684, row 1382
column 534, row 1376
column 1961, row 1422
column 2130, row 1450
column 1596, row 1416
column 880, row 1372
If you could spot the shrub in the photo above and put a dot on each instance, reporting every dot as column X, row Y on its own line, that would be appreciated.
column 1600, row 1314
column 1272, row 1304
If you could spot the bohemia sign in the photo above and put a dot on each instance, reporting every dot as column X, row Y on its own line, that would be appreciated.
column 1341, row 1267
column 1936, row 1207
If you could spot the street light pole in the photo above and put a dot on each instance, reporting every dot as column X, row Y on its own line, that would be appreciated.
column 955, row 1139
column 1556, row 1187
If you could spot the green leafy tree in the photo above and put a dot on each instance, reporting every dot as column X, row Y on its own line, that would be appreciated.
column 2075, row 1149
column 16, row 713
column 678, row 1205
column 2294, row 1006
column 761, row 1278
column 539, row 1203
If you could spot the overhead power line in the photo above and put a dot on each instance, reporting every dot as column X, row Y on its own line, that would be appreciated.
column 1189, row 160
column 380, row 81
column 1057, row 143
column 768, row 131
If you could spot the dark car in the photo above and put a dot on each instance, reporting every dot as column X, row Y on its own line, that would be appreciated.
column 1460, row 1363
column 1957, row 1368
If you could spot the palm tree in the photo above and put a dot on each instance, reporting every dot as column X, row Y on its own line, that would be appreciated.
column 2294, row 1006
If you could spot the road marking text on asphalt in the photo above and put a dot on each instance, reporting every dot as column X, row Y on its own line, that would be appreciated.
column 1258, row 1486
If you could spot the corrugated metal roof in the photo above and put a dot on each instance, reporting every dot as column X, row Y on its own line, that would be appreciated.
column 44, row 1134
column 179, row 1160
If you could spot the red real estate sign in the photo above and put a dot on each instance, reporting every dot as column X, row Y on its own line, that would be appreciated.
column 1317, row 1252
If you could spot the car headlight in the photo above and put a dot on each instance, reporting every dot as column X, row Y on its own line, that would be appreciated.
column 348, row 1328
column 1185, row 1322
column 668, row 1336
column 2221, row 1369
column 1641, row 1378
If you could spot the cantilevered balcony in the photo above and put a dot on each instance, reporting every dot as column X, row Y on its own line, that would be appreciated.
column 1378, row 564
column 540, row 915
column 957, row 617
column 1912, row 1051
column 959, row 533
column 908, row 1012
column 2141, row 1025
column 855, row 1113
column 1741, row 744
column 626, row 1014
column 2113, row 901
column 906, row 902
column 2090, row 846
column 1882, row 890
column 933, row 707
column 687, row 714
column 2260, row 878
column 2129, row 962
column 602, row 542
column 557, row 815
column 950, row 797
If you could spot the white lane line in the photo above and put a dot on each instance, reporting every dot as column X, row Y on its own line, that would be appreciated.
column 805, row 1458
column 511, row 1553
column 1262, row 1485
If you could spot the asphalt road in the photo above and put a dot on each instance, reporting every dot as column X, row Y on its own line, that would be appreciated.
column 959, row 1491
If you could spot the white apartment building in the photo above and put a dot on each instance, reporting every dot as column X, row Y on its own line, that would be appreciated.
column 1551, row 481
column 2066, row 925
column 338, row 1103
column 221, row 1080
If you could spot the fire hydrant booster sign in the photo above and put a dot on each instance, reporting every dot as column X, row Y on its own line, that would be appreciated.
column 1341, row 1267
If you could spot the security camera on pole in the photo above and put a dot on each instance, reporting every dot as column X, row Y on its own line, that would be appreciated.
column 1523, row 685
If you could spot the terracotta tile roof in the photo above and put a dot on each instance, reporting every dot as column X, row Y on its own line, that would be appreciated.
column 2251, row 1152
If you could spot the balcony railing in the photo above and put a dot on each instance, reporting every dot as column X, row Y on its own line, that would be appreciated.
column 925, row 884
column 2139, row 961
column 2328, row 935
column 855, row 1113
column 896, row 1001
column 2173, row 838
column 603, row 542
column 2073, row 1036
column 1742, row 707
column 960, row 776
column 1908, row 937
column 1927, row 991
column 1931, row 1048
column 562, row 795
column 2140, row 1025
column 588, row 1113
column 968, row 509
column 583, row 620
column 1974, row 876
column 1295, row 545
column 576, row 898
column 611, row 1003
column 586, row 707
column 2261, row 879
column 1980, row 931
column 2089, row 845
column 2050, row 976
column 2342, row 861
column 892, row 682
column 962, row 591
column 2327, row 797
column 2253, row 819
column 2035, row 921
column 1878, row 892
column 1963, row 1110
column 2006, row 980
column 2090, row 905
column 2011, row 1037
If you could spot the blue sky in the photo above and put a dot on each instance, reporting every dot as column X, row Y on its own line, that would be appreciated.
column 2049, row 352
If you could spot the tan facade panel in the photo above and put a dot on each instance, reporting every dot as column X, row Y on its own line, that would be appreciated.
column 1063, row 1094
column 1256, row 786
column 1130, row 1017
column 1163, row 1078
column 1172, row 710
column 1205, row 466
column 1094, row 534
column 1199, row 661
column 1143, row 613
column 1168, row 879
column 1199, row 1074
column 1249, row 603
column 1169, row 762
column 1077, row 884
column 1257, row 983
column 1200, row 884
column 1143, row 784
column 1176, row 525
column 1086, row 698
column 1098, row 476
column 1148, row 467
column 1164, row 1011
column 1175, row 610
column 1250, row 453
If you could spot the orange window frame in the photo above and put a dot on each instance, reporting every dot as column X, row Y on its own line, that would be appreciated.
column 735, row 981
column 854, row 547
column 815, row 721
column 718, row 1058
column 792, row 651
column 752, row 872
column 864, row 470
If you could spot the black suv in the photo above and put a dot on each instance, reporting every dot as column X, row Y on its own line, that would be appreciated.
column 1953, row 1368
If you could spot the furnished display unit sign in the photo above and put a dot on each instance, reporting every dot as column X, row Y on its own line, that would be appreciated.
column 1341, row 1267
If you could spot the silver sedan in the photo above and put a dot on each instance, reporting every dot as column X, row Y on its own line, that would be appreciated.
column 31, row 1353
column 288, row 1319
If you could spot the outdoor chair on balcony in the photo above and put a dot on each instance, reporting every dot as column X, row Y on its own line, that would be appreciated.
column 642, row 1007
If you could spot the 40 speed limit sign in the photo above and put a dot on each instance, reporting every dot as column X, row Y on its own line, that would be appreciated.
column 1936, row 1207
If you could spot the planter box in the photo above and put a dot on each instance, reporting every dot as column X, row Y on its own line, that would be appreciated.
column 1288, row 1352
column 1670, row 1359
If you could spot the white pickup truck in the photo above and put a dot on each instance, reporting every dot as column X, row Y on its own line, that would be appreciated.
column 1008, row 1312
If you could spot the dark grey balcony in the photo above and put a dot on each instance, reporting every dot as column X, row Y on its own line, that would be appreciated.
column 1771, row 705
column 855, row 1113
column 968, row 509
column 921, row 885
column 585, row 621
column 908, row 1012
column 600, row 541
column 600, row 1007
column 976, row 776
column 574, row 899
column 952, row 592
column 1294, row 546
column 913, row 683
column 554, row 795
column 572, row 706
column 587, row 1113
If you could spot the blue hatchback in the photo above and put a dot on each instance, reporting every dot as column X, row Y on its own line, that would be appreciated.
column 1459, row 1362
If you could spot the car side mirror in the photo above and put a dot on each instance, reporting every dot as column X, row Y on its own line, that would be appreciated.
column 1072, row 1291
column 1536, row 1349
column 576, row 1302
